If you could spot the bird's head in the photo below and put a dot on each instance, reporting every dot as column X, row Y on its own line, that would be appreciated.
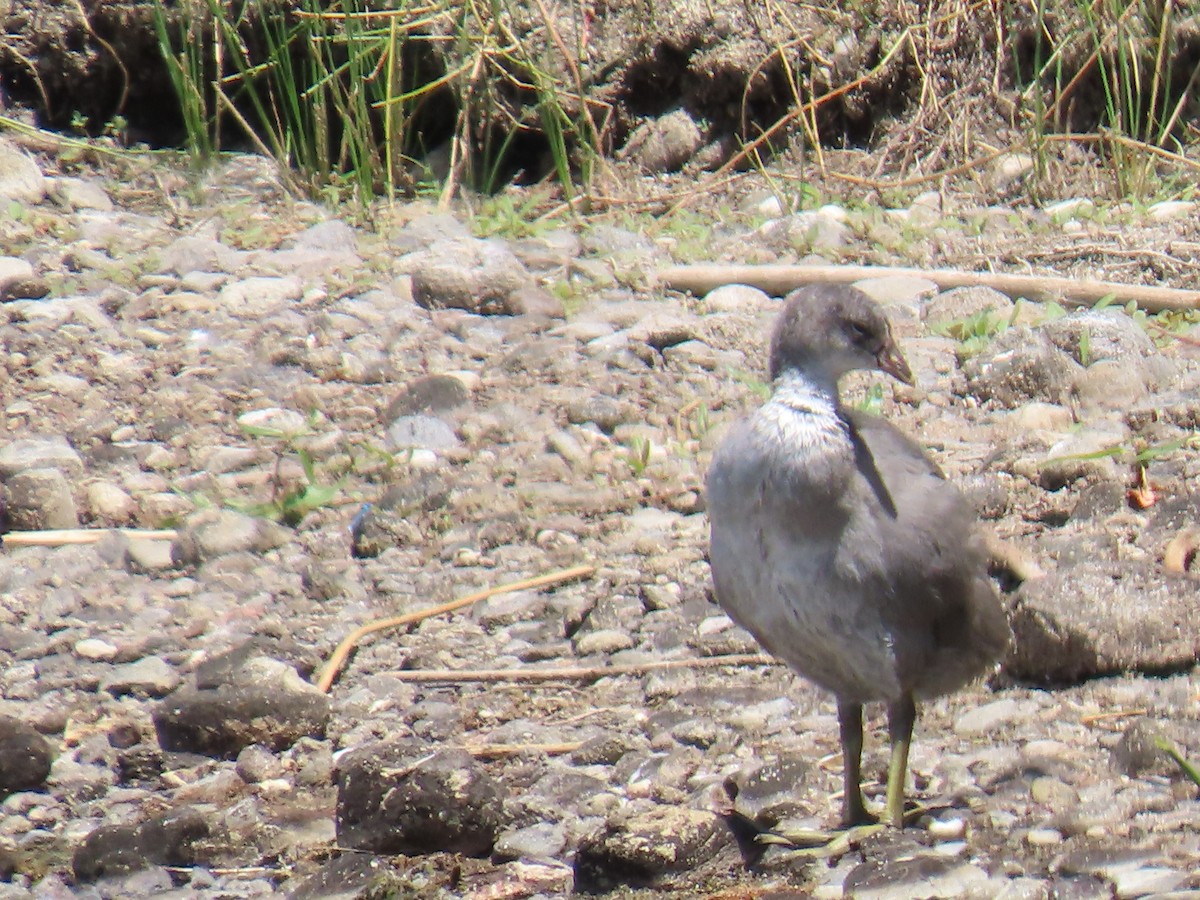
column 827, row 330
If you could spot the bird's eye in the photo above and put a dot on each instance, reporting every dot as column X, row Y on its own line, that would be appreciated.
column 859, row 333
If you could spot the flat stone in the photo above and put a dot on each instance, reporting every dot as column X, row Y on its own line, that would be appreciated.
column 990, row 717
column 13, row 270
column 49, row 452
column 151, row 676
column 1103, row 618
column 259, row 295
column 421, row 432
column 21, row 180
column 80, row 193
column 474, row 275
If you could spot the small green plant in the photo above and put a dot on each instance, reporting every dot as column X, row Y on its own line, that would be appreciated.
column 637, row 453
column 872, row 401
column 1180, row 760
column 974, row 332
column 290, row 503
column 1085, row 347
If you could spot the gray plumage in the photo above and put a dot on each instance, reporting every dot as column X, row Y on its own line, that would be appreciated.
column 840, row 545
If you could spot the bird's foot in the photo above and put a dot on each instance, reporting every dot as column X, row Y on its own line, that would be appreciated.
column 816, row 844
column 819, row 844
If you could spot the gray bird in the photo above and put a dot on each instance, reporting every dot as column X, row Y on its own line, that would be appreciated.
column 839, row 544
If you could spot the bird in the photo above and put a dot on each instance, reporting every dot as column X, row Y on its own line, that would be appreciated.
column 841, row 546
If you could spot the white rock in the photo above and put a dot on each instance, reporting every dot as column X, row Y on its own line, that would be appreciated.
column 95, row 648
column 20, row 178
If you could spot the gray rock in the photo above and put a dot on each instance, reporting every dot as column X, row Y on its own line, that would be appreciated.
column 737, row 298
column 259, row 295
column 48, row 452
column 644, row 848
column 965, row 302
column 811, row 231
column 80, row 193
column 213, row 533
column 664, row 144
column 37, row 499
column 1089, row 336
column 198, row 254
column 474, row 275
column 408, row 796
column 428, row 394
column 21, row 181
column 1018, row 366
column 25, row 756
column 13, row 271
column 330, row 236
column 533, row 300
column 766, row 793
column 151, row 676
column 261, row 701
column 174, row 838
column 1102, row 618
column 920, row 877
column 1138, row 753
column 420, row 432
column 424, row 231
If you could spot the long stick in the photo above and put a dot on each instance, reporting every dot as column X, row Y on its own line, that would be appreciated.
column 779, row 280
column 580, row 673
column 59, row 537
column 342, row 652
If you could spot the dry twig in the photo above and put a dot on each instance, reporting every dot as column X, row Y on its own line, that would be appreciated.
column 342, row 652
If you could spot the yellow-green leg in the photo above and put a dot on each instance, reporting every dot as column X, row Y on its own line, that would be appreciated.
column 902, row 715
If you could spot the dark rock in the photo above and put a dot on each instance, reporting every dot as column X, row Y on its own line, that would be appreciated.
column 171, row 839
column 262, row 701
column 427, row 394
column 766, row 794
column 1104, row 617
column 25, row 756
column 408, row 796
column 645, row 848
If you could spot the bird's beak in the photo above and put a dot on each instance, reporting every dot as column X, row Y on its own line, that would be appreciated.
column 890, row 360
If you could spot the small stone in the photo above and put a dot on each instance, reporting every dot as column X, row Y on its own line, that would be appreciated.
column 149, row 677
column 285, row 422
column 408, row 796
column 1137, row 752
column 13, row 271
column 989, row 717
column 213, row 533
column 25, row 757
column 428, row 394
column 925, row 876
column 21, row 181
column 108, row 504
column 1143, row 882
column 420, row 432
column 80, row 193
column 642, row 848
column 330, row 236
column 259, row 295
column 1172, row 210
column 604, row 641
column 261, row 701
column 174, row 838
column 95, row 648
column 222, row 460
column 50, row 452
column 38, row 499
column 737, row 298
column 532, row 300
column 474, row 275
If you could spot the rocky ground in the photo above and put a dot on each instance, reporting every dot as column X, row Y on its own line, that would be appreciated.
column 210, row 356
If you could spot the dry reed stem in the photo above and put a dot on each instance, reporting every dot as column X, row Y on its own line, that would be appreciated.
column 342, row 652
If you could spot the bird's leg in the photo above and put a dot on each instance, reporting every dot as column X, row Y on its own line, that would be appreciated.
column 858, row 823
column 850, row 724
column 902, row 714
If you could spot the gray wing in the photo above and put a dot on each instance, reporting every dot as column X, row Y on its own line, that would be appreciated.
column 914, row 534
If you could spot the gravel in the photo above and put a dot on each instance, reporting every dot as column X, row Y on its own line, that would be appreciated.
column 430, row 418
